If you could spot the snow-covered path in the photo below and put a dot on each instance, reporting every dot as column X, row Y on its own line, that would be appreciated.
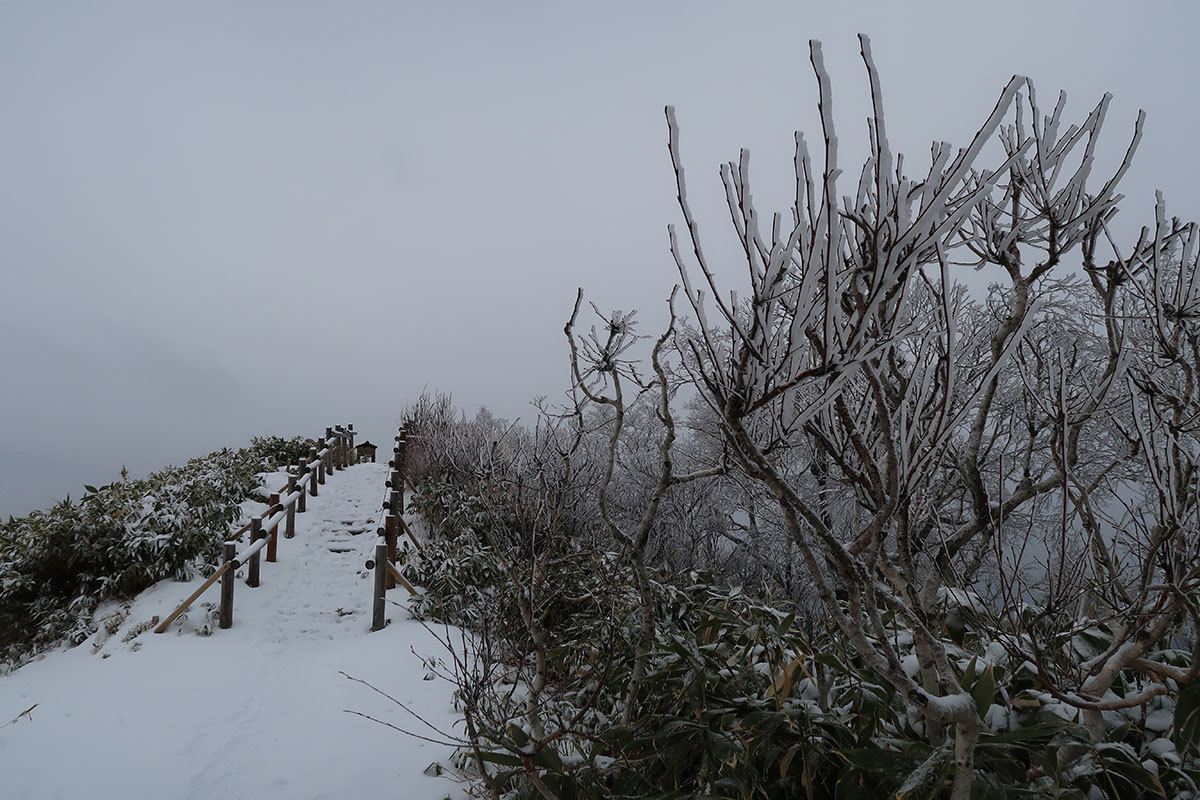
column 254, row 711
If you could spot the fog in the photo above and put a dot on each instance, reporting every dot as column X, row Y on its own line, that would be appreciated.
column 226, row 219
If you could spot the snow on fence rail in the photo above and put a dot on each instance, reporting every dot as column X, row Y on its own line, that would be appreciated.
column 336, row 453
column 387, row 574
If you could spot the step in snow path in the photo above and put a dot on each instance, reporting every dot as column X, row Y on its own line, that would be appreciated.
column 256, row 711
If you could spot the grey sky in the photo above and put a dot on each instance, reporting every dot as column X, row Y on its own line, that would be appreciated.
column 226, row 219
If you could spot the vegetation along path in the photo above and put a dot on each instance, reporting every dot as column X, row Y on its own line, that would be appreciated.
column 258, row 710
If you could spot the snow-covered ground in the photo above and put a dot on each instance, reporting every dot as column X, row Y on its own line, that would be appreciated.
column 256, row 711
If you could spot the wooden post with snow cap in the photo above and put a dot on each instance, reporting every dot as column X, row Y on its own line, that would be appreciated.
column 390, row 534
column 326, row 459
column 229, row 551
column 351, row 453
column 396, row 499
column 256, row 533
column 289, row 531
column 312, row 481
column 273, row 544
column 400, row 448
column 396, row 496
column 397, row 464
column 379, row 604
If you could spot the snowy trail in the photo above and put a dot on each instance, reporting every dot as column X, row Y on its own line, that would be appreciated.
column 254, row 711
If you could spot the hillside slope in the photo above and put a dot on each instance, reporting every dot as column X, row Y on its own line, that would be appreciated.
column 258, row 710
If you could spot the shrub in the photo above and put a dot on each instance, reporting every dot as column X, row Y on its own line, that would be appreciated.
column 736, row 702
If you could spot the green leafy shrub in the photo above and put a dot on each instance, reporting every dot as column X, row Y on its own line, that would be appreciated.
column 737, row 703
column 722, row 706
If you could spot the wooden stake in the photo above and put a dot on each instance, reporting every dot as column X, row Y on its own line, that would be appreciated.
column 379, row 606
column 256, row 533
column 289, row 530
column 396, row 484
column 273, row 545
column 400, row 468
column 389, row 536
column 332, row 448
column 227, row 581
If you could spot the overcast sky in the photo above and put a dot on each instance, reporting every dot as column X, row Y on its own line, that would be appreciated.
column 225, row 219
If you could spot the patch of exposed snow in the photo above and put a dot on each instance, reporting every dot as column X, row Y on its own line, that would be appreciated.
column 1160, row 720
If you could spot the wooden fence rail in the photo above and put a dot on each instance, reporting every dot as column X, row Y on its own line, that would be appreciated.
column 336, row 453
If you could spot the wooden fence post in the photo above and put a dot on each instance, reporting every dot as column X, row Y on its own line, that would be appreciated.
column 379, row 607
column 396, row 500
column 302, row 503
column 400, row 468
column 290, row 531
column 389, row 537
column 312, row 482
column 273, row 545
column 229, row 551
column 256, row 533
column 326, row 460
column 350, row 441
column 397, row 465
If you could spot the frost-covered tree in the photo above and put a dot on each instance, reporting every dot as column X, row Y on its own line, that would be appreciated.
column 916, row 441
